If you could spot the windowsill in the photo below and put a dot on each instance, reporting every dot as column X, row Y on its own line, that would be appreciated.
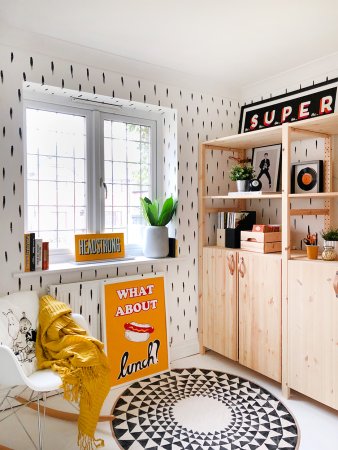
column 81, row 267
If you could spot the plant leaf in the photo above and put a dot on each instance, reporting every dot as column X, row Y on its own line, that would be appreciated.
column 145, row 208
column 166, row 213
column 153, row 213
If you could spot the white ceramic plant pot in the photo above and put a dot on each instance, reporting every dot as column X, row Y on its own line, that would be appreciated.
column 329, row 243
column 156, row 242
column 242, row 185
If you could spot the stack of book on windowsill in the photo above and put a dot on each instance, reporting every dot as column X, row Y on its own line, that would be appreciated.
column 36, row 253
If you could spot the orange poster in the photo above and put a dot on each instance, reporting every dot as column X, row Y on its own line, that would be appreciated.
column 135, row 327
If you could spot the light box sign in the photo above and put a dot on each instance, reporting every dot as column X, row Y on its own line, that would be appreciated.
column 91, row 247
column 305, row 103
column 135, row 327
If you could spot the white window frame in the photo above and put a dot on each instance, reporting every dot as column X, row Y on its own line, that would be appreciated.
column 95, row 116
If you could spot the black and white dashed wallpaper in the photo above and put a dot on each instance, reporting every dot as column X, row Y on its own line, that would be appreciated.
column 189, row 118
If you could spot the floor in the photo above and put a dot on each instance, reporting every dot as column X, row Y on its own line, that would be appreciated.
column 318, row 424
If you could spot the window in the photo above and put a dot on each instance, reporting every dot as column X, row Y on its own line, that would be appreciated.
column 127, row 168
column 85, row 172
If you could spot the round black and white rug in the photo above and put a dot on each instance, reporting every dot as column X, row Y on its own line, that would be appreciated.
column 200, row 409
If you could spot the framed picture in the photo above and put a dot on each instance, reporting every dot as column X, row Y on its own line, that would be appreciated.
column 307, row 177
column 266, row 163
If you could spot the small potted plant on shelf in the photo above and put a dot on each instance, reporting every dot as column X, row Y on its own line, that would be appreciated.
column 242, row 173
column 156, row 241
column 330, row 238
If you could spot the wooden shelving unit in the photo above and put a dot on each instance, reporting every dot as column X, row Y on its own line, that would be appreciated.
column 318, row 127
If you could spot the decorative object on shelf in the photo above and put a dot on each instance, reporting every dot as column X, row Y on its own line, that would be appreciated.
column 255, row 185
column 242, row 173
column 91, row 247
column 312, row 251
column 266, row 164
column 311, row 242
column 307, row 176
column 301, row 104
column 156, row 241
column 202, row 409
column 330, row 238
column 261, row 241
column 329, row 253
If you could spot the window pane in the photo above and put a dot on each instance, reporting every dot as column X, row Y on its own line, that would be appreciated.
column 133, row 132
column 48, row 218
column 130, row 164
column 80, row 174
column 119, row 195
column 33, row 217
column 119, row 172
column 119, row 150
column 65, row 194
column 108, row 171
column 56, row 178
column 47, row 193
column 65, row 169
column 134, row 152
column 66, row 218
column 133, row 195
column 145, row 134
column 47, row 143
column 134, row 173
column 32, row 167
column 145, row 153
column 107, row 148
column 33, row 193
column 80, row 219
column 47, row 168
column 66, row 239
column 119, row 130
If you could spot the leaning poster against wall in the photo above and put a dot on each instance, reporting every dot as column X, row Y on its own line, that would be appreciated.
column 135, row 327
column 305, row 103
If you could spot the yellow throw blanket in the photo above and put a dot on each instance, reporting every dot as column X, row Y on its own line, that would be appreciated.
column 80, row 361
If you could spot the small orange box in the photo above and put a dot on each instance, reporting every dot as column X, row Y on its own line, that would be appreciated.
column 265, row 228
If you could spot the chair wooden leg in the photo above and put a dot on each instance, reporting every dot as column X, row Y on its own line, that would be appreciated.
column 57, row 414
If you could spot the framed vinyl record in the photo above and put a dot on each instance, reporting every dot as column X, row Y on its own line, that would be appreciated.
column 307, row 177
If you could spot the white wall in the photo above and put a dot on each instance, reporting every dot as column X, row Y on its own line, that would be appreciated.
column 196, row 116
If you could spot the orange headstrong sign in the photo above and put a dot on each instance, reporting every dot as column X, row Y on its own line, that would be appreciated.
column 90, row 247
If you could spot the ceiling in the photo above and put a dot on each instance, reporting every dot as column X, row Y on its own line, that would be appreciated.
column 236, row 43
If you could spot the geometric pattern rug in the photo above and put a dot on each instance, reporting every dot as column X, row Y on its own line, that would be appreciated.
column 200, row 409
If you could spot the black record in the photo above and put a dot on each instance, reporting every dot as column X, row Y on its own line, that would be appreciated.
column 255, row 185
column 307, row 179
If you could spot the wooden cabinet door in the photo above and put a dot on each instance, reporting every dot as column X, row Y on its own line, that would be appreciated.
column 219, row 308
column 313, row 330
column 259, row 303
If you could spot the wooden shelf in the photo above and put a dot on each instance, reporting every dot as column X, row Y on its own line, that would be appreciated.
column 305, row 129
column 315, row 195
column 310, row 212
column 241, row 197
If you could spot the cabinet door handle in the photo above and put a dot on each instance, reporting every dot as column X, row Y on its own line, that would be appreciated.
column 231, row 264
column 335, row 284
column 241, row 267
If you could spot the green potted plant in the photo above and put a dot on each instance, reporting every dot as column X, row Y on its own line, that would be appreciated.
column 242, row 173
column 156, row 241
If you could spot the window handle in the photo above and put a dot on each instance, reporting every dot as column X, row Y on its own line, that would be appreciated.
column 104, row 185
